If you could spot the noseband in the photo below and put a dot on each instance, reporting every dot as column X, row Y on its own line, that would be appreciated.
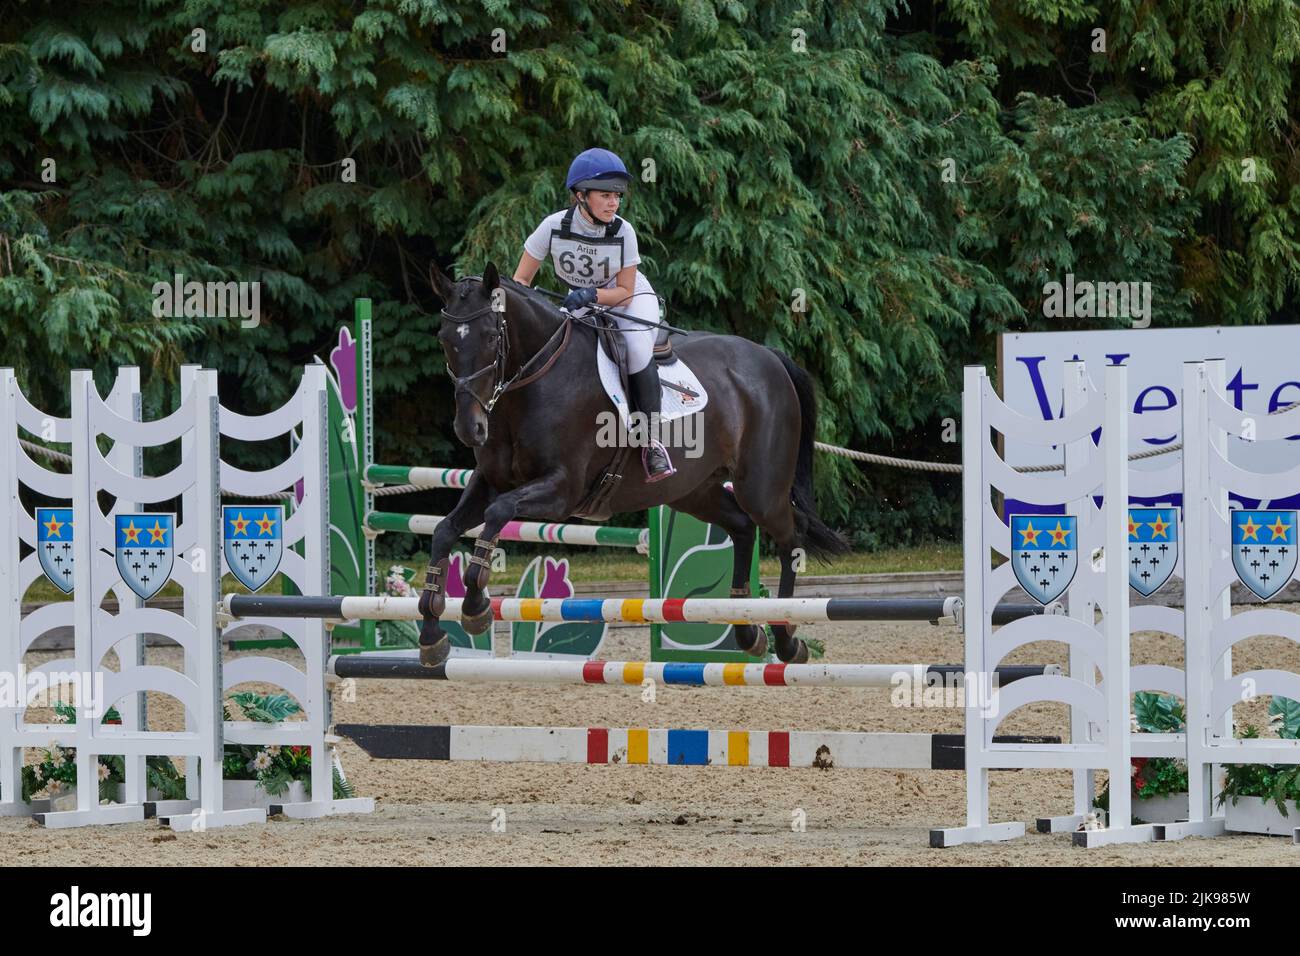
column 500, row 384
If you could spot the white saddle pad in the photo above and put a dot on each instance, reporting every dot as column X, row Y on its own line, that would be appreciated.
column 682, row 392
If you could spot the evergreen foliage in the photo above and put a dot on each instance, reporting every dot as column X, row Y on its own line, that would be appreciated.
column 912, row 174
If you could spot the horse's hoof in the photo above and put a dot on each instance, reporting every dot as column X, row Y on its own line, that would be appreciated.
column 478, row 623
column 431, row 655
column 758, row 646
column 800, row 655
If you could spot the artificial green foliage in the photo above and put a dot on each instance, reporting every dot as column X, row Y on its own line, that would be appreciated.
column 1277, row 783
column 879, row 189
column 56, row 771
column 1154, row 776
column 1158, row 713
column 273, row 767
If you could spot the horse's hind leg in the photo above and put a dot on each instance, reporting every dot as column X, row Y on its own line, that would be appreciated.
column 777, row 518
column 789, row 648
column 716, row 505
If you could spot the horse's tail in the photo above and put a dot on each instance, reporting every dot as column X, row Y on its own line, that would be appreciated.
column 820, row 541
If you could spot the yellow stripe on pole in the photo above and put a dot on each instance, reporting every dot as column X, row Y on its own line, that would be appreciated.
column 632, row 609
column 530, row 609
column 634, row 672
column 638, row 745
column 733, row 674
column 738, row 747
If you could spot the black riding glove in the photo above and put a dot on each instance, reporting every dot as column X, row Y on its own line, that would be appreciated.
column 579, row 299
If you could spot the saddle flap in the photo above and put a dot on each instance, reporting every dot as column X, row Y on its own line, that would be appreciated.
column 681, row 391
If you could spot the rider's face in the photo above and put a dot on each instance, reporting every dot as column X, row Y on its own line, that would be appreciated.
column 604, row 204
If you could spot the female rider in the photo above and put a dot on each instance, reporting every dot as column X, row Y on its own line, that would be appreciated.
column 595, row 254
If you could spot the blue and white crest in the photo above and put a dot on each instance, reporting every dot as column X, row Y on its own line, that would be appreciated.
column 54, row 545
column 253, row 542
column 1152, row 547
column 1264, row 549
column 144, row 546
column 1045, row 554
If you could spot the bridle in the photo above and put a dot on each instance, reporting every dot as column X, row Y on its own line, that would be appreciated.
column 500, row 384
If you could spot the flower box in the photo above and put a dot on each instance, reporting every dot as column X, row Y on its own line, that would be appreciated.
column 1256, row 815
column 236, row 795
column 1166, row 808
column 246, row 794
column 68, row 800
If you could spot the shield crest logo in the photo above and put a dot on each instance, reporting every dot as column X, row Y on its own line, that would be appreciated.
column 145, row 551
column 1264, row 549
column 1152, row 548
column 253, row 542
column 54, row 545
column 1045, row 554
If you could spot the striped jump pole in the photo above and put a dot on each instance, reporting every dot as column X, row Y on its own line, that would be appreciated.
column 420, row 477
column 824, row 750
column 493, row 671
column 536, row 532
column 634, row 610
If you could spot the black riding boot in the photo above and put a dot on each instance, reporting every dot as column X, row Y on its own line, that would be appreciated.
column 647, row 399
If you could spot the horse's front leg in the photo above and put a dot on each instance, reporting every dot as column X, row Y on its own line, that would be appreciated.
column 546, row 499
column 435, row 645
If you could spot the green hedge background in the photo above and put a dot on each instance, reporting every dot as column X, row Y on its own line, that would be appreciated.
column 794, row 147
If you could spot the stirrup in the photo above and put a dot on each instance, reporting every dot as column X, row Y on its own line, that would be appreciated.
column 653, row 450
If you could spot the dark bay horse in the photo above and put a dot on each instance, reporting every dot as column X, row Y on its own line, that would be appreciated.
column 528, row 397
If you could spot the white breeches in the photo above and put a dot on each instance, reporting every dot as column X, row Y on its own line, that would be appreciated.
column 640, row 339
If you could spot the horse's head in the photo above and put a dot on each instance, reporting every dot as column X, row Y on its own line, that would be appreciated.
column 473, row 336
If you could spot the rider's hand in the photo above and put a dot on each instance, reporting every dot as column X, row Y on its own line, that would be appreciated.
column 579, row 299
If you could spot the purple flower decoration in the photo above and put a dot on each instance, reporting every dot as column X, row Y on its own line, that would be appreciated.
column 455, row 586
column 555, row 582
column 343, row 358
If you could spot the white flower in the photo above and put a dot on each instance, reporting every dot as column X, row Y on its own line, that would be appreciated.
column 55, row 788
column 60, row 718
column 273, row 750
column 261, row 762
column 1181, row 764
column 103, row 772
column 1132, row 770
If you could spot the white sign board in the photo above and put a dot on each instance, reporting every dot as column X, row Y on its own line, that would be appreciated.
column 1263, row 374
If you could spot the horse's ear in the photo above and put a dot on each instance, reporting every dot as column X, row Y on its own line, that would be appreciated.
column 490, row 278
column 442, row 286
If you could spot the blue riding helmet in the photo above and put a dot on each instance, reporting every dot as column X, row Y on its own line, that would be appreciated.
column 598, row 169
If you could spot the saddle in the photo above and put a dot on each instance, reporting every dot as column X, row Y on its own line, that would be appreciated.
column 663, row 350
column 683, row 395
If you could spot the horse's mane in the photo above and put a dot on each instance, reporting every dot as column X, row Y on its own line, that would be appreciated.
column 532, row 295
